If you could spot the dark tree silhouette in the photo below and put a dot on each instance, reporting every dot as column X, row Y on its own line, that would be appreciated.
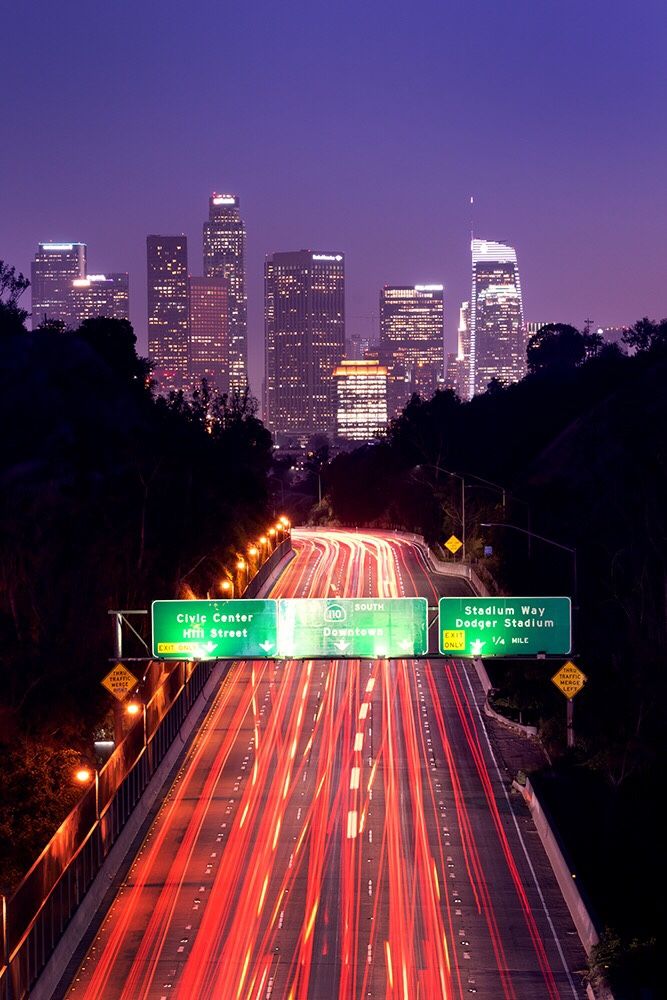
column 646, row 335
column 555, row 346
column 12, row 287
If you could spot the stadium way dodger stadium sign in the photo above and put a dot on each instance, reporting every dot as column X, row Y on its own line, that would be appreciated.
column 504, row 626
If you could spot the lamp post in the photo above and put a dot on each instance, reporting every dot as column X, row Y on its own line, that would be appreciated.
column 487, row 484
column 84, row 775
column 243, row 565
column 455, row 475
column 227, row 587
column 549, row 541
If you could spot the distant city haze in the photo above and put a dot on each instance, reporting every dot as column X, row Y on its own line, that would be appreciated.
column 364, row 127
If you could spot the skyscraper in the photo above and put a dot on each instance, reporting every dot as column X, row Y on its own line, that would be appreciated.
column 101, row 295
column 209, row 332
column 412, row 340
column 168, row 313
column 361, row 388
column 305, row 340
column 224, row 256
column 462, row 386
column 55, row 267
column 497, row 338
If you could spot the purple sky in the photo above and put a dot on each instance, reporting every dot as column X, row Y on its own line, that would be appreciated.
column 359, row 125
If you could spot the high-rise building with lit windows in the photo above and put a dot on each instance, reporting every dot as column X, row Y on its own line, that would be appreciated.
column 462, row 368
column 305, row 340
column 224, row 257
column 209, row 332
column 168, row 310
column 55, row 267
column 361, row 391
column 101, row 295
column 497, row 335
column 412, row 341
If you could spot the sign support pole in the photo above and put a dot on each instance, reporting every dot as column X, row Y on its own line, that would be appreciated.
column 570, row 722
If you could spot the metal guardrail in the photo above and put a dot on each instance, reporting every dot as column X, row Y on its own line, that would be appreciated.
column 34, row 918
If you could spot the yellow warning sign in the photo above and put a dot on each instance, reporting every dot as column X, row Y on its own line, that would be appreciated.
column 119, row 681
column 453, row 640
column 569, row 679
column 453, row 544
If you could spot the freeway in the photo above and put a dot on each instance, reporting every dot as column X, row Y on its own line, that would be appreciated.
column 339, row 829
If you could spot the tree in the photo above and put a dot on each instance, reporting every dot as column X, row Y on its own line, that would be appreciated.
column 557, row 347
column 646, row 335
column 114, row 340
column 12, row 287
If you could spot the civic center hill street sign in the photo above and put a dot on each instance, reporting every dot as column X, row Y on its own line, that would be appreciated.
column 504, row 626
column 205, row 630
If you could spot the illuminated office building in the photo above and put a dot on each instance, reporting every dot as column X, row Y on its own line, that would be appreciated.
column 305, row 340
column 451, row 382
column 412, row 342
column 224, row 256
column 461, row 372
column 361, row 390
column 55, row 267
column 209, row 332
column 497, row 336
column 101, row 295
column 168, row 312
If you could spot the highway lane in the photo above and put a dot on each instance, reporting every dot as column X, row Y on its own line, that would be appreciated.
column 339, row 829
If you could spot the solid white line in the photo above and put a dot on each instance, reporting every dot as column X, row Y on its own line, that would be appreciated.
column 575, row 993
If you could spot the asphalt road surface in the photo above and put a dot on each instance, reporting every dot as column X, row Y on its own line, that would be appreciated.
column 340, row 829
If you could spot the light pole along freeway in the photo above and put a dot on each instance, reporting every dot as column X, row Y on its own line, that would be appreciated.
column 339, row 829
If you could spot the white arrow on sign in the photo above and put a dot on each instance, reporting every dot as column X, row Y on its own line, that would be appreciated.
column 405, row 644
column 476, row 647
column 210, row 646
column 266, row 646
column 341, row 645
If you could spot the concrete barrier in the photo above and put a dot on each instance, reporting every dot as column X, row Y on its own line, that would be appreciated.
column 568, row 886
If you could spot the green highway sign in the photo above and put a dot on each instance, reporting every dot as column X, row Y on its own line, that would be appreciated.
column 294, row 628
column 362, row 627
column 504, row 626
column 208, row 630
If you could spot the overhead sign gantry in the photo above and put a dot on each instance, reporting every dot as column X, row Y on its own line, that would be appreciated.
column 360, row 628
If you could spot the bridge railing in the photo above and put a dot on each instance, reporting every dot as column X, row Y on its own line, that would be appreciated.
column 35, row 917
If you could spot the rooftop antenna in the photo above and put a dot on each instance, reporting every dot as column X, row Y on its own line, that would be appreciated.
column 472, row 228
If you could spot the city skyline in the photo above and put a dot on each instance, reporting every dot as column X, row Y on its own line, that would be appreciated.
column 543, row 179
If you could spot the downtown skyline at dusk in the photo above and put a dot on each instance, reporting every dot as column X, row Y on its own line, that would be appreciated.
column 367, row 130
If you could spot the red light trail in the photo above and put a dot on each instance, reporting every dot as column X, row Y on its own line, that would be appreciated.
column 335, row 831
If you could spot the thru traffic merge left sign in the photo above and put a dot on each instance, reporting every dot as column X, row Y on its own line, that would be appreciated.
column 569, row 679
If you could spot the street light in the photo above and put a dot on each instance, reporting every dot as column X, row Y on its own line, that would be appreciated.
column 455, row 475
column 228, row 587
column 242, row 564
column 84, row 776
column 133, row 708
column 549, row 541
